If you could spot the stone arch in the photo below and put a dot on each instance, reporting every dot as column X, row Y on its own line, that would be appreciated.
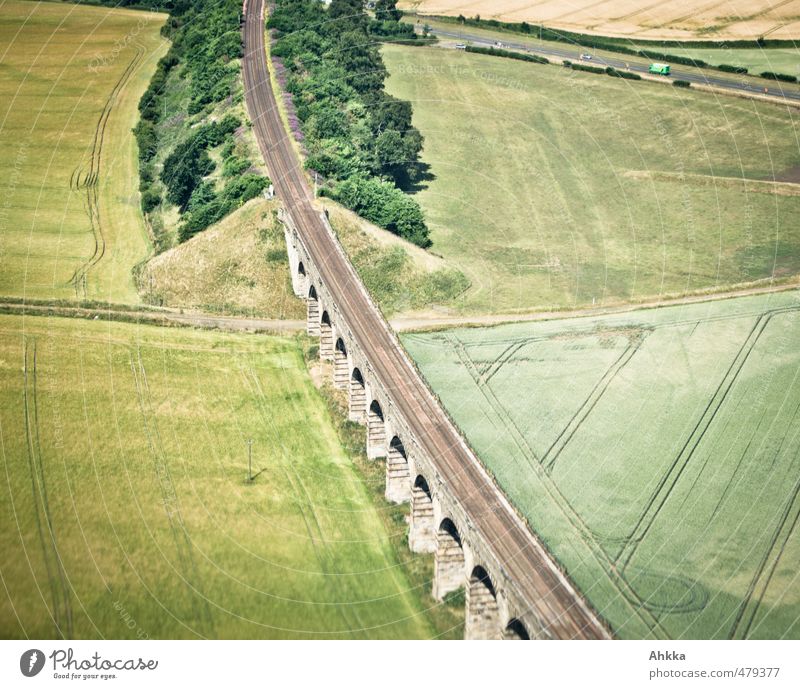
column 398, row 475
column 340, row 366
column 515, row 630
column 325, row 337
column 358, row 397
column 312, row 312
column 421, row 532
column 301, row 269
column 448, row 572
column 376, row 431
column 483, row 614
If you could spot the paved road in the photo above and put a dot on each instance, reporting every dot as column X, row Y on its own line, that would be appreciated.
column 522, row 556
column 631, row 63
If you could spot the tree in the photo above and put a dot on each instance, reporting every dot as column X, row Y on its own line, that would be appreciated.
column 346, row 15
column 361, row 61
column 386, row 10
column 385, row 205
column 184, row 169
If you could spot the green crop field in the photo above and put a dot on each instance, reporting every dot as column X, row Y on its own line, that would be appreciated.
column 656, row 453
column 554, row 189
column 125, row 509
column 70, row 80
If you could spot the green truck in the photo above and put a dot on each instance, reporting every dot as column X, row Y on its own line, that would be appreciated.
column 658, row 68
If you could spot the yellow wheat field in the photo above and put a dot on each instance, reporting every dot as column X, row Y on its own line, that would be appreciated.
column 686, row 19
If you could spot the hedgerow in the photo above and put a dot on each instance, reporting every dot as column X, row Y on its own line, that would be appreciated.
column 525, row 57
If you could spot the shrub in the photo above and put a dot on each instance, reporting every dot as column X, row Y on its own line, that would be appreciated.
column 525, row 57
column 779, row 77
column 677, row 59
column 681, row 83
column 234, row 166
column 622, row 75
column 384, row 204
column 455, row 599
column 146, row 139
column 150, row 199
column 733, row 69
column 587, row 68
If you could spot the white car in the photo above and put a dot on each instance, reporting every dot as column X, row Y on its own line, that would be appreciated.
column 586, row 56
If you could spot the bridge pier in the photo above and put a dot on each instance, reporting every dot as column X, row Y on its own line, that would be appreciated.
column 340, row 367
column 376, row 431
column 296, row 268
column 325, row 337
column 398, row 475
column 448, row 569
column 312, row 313
column 357, row 403
column 483, row 613
column 421, row 531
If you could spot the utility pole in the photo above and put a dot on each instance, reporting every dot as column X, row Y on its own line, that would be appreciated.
column 249, row 459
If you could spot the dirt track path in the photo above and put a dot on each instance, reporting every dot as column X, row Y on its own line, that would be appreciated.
column 169, row 317
column 402, row 323
column 426, row 322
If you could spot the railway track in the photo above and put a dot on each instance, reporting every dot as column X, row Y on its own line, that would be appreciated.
column 524, row 559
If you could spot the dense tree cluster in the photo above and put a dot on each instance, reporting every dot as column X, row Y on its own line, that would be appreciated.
column 206, row 42
column 358, row 137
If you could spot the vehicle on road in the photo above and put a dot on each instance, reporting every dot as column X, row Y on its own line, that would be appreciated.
column 586, row 56
column 659, row 68
column 461, row 46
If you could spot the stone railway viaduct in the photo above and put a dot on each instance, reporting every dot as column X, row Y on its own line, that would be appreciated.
column 438, row 523
column 513, row 588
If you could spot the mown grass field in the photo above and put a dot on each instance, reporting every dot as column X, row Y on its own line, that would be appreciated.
column 70, row 80
column 557, row 189
column 656, row 452
column 125, row 507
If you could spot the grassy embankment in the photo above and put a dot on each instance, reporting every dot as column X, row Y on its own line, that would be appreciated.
column 558, row 189
column 656, row 452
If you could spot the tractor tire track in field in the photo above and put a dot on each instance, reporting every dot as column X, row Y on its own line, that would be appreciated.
column 786, row 517
column 672, row 475
column 180, row 535
column 491, row 398
column 582, row 530
column 56, row 576
column 90, row 180
column 322, row 551
column 790, row 507
column 565, row 436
